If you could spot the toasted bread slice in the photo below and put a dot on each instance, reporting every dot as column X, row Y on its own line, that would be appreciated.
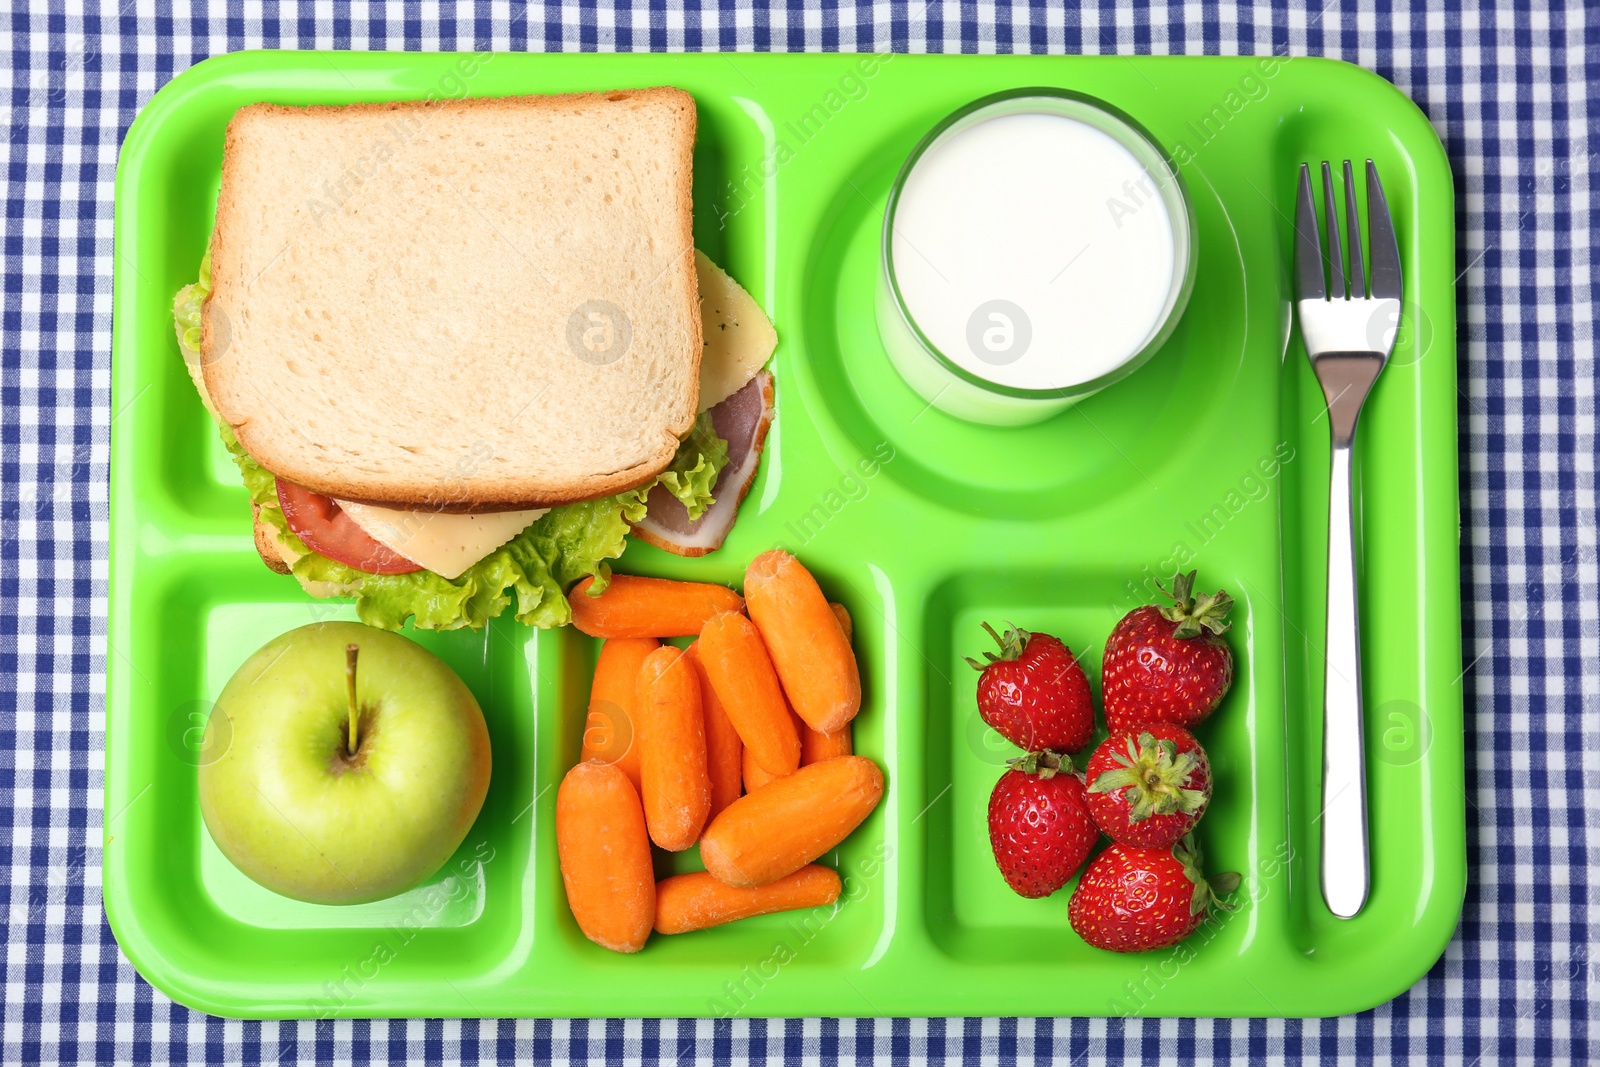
column 267, row 544
column 280, row 559
column 471, row 305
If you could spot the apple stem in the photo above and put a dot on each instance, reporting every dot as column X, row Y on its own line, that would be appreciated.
column 350, row 652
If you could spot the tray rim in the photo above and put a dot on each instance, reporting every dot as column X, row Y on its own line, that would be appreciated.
column 147, row 956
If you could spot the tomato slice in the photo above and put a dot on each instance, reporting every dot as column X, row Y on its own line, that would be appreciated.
column 327, row 530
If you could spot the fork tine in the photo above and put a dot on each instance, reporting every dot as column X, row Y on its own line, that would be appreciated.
column 1336, row 289
column 1358, row 280
column 1307, row 242
column 1385, row 249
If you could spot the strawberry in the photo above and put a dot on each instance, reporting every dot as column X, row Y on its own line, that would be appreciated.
column 1168, row 664
column 1039, row 824
column 1149, row 787
column 1034, row 693
column 1135, row 899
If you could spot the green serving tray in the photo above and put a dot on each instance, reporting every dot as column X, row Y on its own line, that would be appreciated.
column 1214, row 455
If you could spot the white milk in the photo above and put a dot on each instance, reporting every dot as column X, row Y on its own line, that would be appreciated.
column 1034, row 251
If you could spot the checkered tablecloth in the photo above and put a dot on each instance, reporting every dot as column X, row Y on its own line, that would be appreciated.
column 1513, row 96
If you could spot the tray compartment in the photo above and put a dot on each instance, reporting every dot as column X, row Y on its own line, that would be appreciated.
column 1410, row 678
column 972, row 914
column 735, row 968
column 304, row 957
column 1180, row 396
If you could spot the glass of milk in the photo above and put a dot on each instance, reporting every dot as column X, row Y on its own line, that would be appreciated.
column 1037, row 247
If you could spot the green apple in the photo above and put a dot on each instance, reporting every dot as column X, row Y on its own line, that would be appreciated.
column 306, row 813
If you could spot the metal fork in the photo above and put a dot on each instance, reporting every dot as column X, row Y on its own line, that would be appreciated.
column 1349, row 335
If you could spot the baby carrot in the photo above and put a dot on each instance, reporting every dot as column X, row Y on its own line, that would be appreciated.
column 695, row 901
column 787, row 823
column 755, row 776
column 805, row 640
column 736, row 661
column 610, row 731
column 605, row 856
column 672, row 750
column 840, row 613
column 724, row 750
column 816, row 746
column 649, row 607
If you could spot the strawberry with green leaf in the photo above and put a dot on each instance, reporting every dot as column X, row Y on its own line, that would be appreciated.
column 1168, row 664
column 1034, row 693
column 1133, row 899
column 1149, row 787
column 1039, row 824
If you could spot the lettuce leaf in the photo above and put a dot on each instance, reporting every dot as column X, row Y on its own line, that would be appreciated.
column 529, row 574
column 694, row 470
column 186, row 308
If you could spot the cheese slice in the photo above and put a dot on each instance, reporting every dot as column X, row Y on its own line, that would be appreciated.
column 444, row 544
column 739, row 337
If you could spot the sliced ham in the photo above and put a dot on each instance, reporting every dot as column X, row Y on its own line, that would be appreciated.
column 741, row 420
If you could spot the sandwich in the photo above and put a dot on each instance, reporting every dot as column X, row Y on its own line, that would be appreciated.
column 460, row 350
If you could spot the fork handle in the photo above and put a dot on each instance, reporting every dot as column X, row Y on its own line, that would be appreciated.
column 1345, row 876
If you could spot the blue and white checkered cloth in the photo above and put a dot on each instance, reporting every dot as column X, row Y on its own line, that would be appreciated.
column 1514, row 92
